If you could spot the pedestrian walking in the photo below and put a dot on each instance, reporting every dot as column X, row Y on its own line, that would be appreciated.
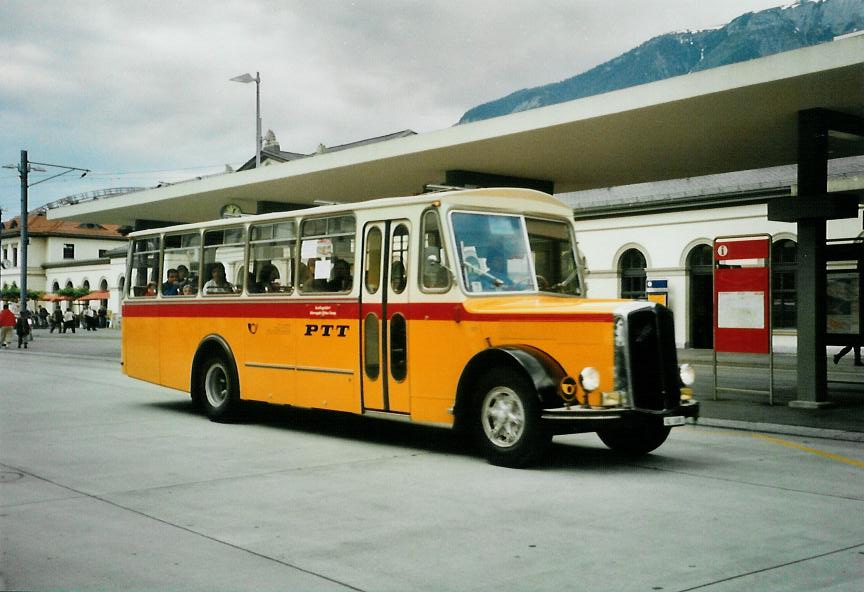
column 43, row 317
column 69, row 320
column 7, row 323
column 839, row 355
column 22, row 328
column 89, row 318
column 56, row 320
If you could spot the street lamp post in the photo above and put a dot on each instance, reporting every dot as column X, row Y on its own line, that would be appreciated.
column 245, row 78
column 24, row 169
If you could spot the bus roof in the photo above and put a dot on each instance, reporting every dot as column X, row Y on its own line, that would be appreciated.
column 516, row 199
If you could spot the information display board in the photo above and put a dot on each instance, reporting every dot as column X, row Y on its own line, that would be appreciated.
column 843, row 303
column 742, row 294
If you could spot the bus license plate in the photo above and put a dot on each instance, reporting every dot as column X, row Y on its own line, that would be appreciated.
column 676, row 420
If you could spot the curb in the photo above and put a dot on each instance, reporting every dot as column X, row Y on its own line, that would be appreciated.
column 782, row 429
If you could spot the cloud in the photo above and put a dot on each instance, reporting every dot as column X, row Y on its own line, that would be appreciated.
column 136, row 86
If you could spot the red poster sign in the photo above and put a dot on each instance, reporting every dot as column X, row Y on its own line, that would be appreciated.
column 742, row 299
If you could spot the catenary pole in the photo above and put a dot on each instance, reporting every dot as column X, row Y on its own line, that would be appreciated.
column 23, row 170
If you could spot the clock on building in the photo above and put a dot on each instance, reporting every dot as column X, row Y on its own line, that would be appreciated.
column 230, row 210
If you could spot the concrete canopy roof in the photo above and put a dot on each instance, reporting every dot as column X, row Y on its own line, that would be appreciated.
column 737, row 117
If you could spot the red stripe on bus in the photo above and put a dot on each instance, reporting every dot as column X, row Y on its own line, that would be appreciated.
column 439, row 311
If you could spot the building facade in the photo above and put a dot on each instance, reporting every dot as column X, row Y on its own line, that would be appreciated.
column 64, row 254
column 665, row 231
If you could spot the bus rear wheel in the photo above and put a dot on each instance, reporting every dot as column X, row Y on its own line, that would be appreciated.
column 217, row 391
column 635, row 439
column 507, row 423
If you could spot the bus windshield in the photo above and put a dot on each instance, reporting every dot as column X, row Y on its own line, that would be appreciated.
column 511, row 253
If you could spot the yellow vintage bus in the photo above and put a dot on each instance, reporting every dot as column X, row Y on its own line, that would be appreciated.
column 463, row 309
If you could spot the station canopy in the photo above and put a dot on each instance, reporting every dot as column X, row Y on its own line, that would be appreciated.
column 737, row 117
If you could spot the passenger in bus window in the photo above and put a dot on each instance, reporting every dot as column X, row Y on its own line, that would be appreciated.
column 218, row 284
column 398, row 278
column 183, row 277
column 340, row 276
column 151, row 289
column 303, row 275
column 268, row 279
column 170, row 287
column 188, row 290
column 435, row 275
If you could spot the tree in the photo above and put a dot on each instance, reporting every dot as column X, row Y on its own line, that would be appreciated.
column 74, row 293
column 13, row 293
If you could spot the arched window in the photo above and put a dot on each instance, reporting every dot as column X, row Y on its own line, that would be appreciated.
column 631, row 268
column 86, row 285
column 69, row 284
column 784, row 301
column 103, row 285
column 55, row 287
column 700, row 262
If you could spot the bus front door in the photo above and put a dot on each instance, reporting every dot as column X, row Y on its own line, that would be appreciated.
column 384, row 297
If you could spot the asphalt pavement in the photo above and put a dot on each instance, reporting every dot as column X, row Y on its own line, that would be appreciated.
column 843, row 420
column 110, row 483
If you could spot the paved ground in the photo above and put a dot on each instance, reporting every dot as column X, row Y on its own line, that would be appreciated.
column 844, row 419
column 110, row 483
column 730, row 410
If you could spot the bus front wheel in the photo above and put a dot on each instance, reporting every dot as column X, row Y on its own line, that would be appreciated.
column 507, row 423
column 217, row 391
column 635, row 440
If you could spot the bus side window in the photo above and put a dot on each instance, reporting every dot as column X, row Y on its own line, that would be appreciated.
column 180, row 262
column 399, row 259
column 223, row 261
column 433, row 263
column 327, row 247
column 271, row 253
column 144, row 275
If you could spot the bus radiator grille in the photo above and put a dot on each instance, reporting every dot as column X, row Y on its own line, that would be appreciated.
column 653, row 359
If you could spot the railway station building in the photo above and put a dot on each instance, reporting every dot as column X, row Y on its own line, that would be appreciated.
column 772, row 145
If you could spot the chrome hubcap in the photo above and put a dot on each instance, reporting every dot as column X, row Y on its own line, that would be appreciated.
column 216, row 385
column 503, row 417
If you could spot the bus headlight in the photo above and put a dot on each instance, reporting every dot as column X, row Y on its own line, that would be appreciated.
column 688, row 374
column 589, row 378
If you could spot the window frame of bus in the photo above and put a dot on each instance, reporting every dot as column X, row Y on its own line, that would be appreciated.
column 131, row 284
column 442, row 237
column 574, row 250
column 302, row 236
column 164, row 248
column 459, row 258
column 243, row 243
column 404, row 250
column 251, row 243
column 372, row 282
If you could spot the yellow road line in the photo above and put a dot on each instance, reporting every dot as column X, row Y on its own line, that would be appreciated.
column 837, row 457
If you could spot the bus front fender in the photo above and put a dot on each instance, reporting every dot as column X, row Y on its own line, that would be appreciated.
column 539, row 367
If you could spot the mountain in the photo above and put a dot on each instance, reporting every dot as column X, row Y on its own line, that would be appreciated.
column 750, row 36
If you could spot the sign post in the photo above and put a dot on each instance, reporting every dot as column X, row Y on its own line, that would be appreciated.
column 742, row 301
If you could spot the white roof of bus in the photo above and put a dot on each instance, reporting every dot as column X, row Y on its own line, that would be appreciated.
column 513, row 199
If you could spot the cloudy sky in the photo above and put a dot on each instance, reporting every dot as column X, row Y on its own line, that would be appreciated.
column 139, row 92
